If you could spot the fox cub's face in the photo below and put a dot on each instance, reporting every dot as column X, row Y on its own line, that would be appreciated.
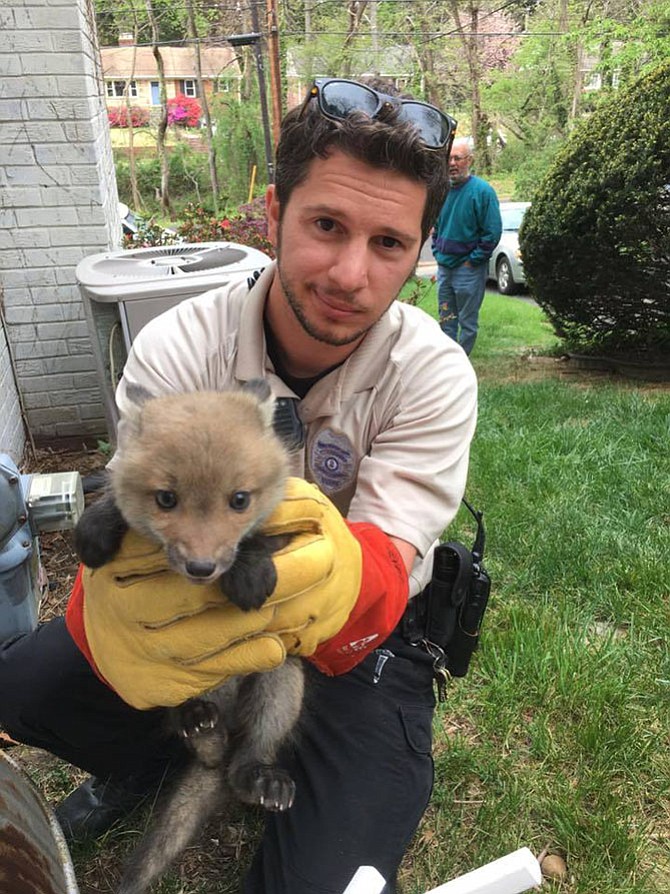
column 198, row 473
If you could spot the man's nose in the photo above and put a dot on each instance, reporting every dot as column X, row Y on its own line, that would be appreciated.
column 349, row 270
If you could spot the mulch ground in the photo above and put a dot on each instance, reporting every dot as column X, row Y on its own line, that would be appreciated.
column 58, row 556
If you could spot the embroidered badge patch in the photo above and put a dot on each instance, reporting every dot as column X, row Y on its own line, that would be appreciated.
column 332, row 461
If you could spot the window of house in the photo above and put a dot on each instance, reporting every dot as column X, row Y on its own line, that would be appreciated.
column 188, row 88
column 117, row 89
column 593, row 80
column 222, row 85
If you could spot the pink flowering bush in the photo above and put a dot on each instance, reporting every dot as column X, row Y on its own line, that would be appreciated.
column 118, row 116
column 184, row 111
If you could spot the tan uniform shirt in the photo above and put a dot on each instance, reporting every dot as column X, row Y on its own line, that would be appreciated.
column 387, row 433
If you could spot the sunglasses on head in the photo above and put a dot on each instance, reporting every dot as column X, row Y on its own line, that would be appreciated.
column 338, row 98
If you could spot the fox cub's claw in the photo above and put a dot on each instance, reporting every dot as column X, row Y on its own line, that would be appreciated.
column 197, row 723
column 268, row 786
column 197, row 716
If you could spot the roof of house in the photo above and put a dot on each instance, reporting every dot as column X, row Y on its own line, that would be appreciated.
column 179, row 62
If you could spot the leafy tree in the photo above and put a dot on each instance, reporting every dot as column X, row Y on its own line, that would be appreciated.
column 239, row 141
column 596, row 240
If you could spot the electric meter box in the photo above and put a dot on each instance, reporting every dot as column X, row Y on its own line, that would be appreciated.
column 123, row 290
column 29, row 505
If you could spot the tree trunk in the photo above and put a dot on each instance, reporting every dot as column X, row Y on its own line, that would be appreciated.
column 469, row 38
column 211, row 149
column 275, row 69
column 163, row 123
column 132, row 167
column 419, row 22
column 355, row 10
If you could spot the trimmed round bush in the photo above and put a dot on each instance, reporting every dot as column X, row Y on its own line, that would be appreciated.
column 596, row 240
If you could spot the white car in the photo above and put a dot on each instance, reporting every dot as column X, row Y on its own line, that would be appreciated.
column 506, row 264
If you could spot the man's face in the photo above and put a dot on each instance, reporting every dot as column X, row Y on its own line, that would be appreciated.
column 459, row 163
column 349, row 238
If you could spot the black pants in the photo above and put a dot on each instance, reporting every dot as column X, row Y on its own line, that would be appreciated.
column 362, row 762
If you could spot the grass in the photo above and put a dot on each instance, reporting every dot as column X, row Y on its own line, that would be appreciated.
column 146, row 137
column 559, row 737
column 504, row 186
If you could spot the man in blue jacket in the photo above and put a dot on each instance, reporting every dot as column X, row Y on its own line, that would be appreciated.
column 467, row 231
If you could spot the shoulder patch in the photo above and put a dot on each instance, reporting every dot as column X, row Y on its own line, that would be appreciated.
column 332, row 461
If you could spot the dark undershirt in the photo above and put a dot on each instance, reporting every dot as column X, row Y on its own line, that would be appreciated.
column 299, row 385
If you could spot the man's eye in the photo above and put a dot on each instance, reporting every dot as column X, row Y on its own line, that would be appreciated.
column 389, row 242
column 325, row 224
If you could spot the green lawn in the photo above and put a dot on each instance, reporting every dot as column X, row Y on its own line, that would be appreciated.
column 560, row 736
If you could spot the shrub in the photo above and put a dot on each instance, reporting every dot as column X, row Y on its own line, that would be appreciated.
column 246, row 226
column 189, row 172
column 184, row 111
column 596, row 241
column 118, row 116
column 149, row 233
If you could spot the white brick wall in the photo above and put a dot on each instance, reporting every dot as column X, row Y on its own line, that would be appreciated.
column 12, row 439
column 58, row 204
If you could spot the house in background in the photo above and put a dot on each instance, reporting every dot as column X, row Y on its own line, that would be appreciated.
column 132, row 67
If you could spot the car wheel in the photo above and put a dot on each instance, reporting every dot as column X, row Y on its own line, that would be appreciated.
column 505, row 277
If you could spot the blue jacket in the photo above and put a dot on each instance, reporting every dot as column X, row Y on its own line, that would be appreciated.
column 469, row 225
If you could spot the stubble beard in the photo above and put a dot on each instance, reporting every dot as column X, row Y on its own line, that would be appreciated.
column 318, row 334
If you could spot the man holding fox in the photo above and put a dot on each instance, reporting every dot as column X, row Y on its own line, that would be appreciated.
column 381, row 412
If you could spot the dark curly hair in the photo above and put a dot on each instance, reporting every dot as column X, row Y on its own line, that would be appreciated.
column 382, row 142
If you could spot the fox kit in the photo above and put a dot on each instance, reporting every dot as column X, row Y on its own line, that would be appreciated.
column 199, row 475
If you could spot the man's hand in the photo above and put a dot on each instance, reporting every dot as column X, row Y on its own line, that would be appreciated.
column 157, row 639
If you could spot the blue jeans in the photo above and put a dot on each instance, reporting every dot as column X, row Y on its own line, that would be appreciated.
column 460, row 292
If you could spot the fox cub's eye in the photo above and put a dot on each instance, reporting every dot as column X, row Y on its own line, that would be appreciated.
column 240, row 500
column 166, row 499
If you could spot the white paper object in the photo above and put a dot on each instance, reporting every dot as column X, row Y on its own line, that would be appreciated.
column 512, row 874
column 366, row 881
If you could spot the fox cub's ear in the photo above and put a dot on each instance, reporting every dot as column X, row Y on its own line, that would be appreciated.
column 261, row 390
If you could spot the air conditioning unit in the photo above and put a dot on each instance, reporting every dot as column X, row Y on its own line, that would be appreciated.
column 123, row 290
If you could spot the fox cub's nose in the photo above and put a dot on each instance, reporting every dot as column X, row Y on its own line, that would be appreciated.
column 200, row 569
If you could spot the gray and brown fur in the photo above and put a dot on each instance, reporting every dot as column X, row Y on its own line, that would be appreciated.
column 199, row 474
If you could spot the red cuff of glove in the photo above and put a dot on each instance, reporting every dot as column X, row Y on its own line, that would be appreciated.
column 381, row 602
column 74, row 621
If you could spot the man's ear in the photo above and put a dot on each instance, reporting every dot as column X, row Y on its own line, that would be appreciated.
column 272, row 213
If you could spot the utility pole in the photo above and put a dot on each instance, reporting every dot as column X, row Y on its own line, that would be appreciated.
column 275, row 68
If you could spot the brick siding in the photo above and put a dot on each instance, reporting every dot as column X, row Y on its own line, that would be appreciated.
column 11, row 427
column 58, row 203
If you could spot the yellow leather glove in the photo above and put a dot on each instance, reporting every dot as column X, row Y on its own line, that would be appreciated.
column 159, row 640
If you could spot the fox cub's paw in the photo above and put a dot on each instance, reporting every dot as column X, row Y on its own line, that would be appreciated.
column 99, row 532
column 197, row 724
column 269, row 786
column 196, row 716
column 253, row 577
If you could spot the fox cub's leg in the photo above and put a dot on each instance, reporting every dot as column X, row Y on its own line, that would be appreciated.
column 99, row 532
column 252, row 578
column 268, row 709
